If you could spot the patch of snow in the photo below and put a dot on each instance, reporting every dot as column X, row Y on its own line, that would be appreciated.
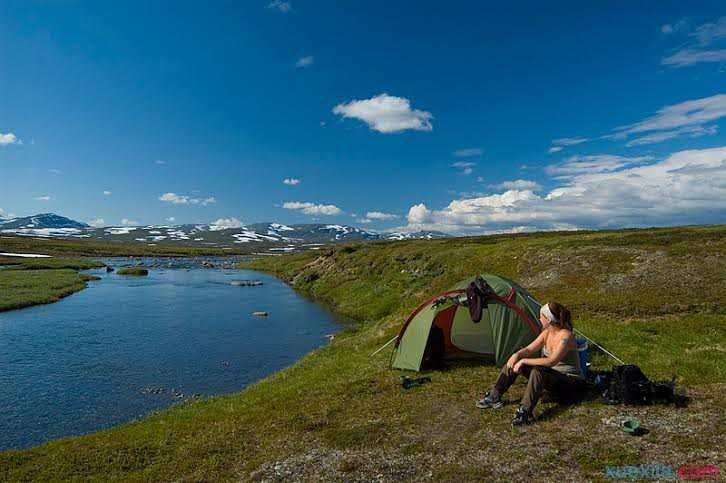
column 120, row 230
column 25, row 255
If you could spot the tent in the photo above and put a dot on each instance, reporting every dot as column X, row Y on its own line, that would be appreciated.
column 510, row 321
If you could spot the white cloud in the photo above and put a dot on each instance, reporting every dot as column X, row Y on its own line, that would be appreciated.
column 171, row 219
column 468, row 152
column 418, row 214
column 569, row 141
column 312, row 208
column 280, row 6
column 225, row 223
column 518, row 184
column 186, row 200
column 684, row 188
column 291, row 181
column 128, row 222
column 365, row 220
column 55, row 171
column 709, row 32
column 386, row 114
column 160, row 161
column 306, row 61
column 696, row 112
column 695, row 51
column 560, row 144
column 597, row 163
column 379, row 215
column 42, row 198
column 9, row 138
column 464, row 167
column 106, row 193
column 686, row 57
column 97, row 223
column 657, row 137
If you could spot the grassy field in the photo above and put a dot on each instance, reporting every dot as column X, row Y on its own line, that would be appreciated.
column 133, row 271
column 82, row 247
column 654, row 297
column 32, row 281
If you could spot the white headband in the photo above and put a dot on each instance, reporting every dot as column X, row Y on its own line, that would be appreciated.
column 545, row 310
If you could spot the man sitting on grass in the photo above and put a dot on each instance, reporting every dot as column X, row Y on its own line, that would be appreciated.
column 557, row 370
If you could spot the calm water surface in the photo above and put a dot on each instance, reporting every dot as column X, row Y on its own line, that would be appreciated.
column 126, row 346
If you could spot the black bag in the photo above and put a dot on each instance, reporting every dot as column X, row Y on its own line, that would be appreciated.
column 628, row 385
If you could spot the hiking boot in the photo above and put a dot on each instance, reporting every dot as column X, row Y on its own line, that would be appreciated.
column 522, row 417
column 490, row 401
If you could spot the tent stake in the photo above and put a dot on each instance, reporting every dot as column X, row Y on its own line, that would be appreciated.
column 384, row 346
column 599, row 346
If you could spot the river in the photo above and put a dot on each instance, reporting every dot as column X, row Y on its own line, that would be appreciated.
column 126, row 346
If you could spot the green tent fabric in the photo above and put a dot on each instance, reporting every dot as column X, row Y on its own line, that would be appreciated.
column 509, row 322
column 413, row 342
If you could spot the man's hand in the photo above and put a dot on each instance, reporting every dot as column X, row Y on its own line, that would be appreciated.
column 512, row 360
column 518, row 366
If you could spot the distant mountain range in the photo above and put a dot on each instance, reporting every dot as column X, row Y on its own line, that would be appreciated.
column 282, row 237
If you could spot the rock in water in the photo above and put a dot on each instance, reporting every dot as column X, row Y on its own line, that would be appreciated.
column 246, row 283
column 260, row 314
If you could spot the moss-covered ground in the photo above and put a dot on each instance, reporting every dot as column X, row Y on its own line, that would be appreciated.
column 32, row 281
column 654, row 297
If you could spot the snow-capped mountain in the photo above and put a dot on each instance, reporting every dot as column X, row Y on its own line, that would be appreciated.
column 279, row 236
column 43, row 220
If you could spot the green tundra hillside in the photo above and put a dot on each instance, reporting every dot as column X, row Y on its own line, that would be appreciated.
column 654, row 297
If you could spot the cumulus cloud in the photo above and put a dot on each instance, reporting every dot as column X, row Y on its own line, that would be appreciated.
column 386, row 114
column 468, row 152
column 225, row 223
column 97, row 223
column 280, row 6
column 312, row 208
column 42, row 198
column 171, row 219
column 9, row 138
column 129, row 222
column 306, row 61
column 106, row 193
column 291, row 181
column 418, row 214
column 176, row 199
column 696, row 50
column 596, row 163
column 685, row 187
column 464, row 167
column 518, row 184
column 379, row 215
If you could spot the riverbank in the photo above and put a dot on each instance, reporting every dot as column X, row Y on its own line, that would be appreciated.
column 652, row 296
column 33, row 281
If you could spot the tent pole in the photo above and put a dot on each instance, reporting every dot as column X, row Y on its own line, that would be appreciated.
column 384, row 346
column 600, row 347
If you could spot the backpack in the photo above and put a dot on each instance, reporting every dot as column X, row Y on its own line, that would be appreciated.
column 628, row 385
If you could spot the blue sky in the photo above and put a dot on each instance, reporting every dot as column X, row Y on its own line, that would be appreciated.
column 469, row 117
